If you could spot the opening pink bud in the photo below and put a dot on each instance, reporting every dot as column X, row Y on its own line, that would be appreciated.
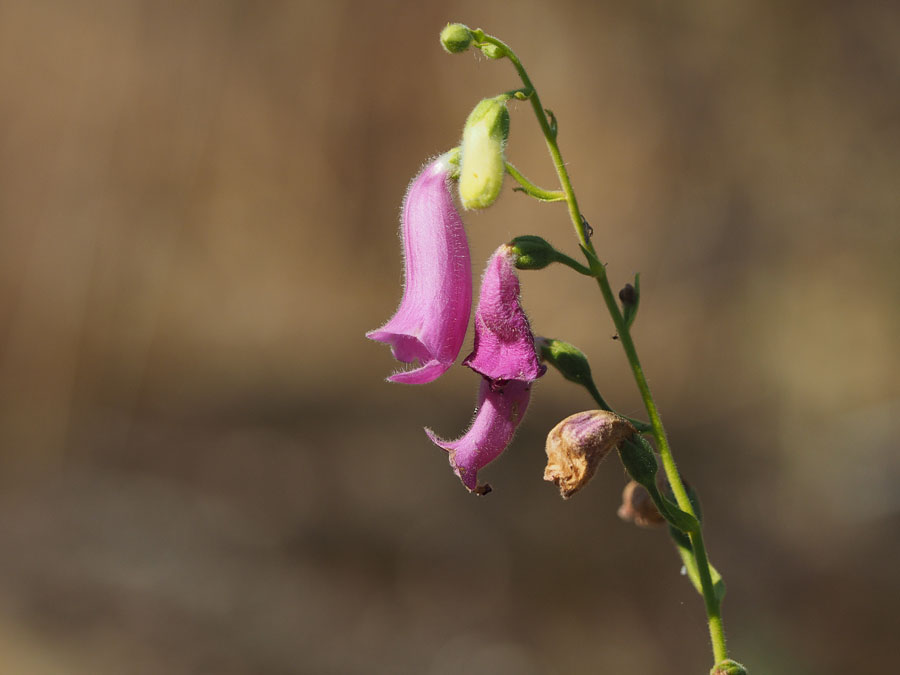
column 504, row 344
column 499, row 413
column 430, row 325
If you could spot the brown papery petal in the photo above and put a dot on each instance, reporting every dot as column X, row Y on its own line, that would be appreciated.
column 577, row 445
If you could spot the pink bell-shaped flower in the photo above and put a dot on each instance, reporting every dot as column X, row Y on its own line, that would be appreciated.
column 505, row 356
column 499, row 412
column 430, row 325
column 504, row 344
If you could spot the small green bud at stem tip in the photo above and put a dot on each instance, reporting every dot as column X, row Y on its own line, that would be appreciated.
column 729, row 667
column 456, row 38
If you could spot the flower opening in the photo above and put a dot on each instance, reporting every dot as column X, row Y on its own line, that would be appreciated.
column 430, row 325
column 499, row 412
column 504, row 344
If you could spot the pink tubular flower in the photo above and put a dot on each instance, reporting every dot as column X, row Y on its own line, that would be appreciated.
column 505, row 356
column 499, row 413
column 504, row 345
column 430, row 325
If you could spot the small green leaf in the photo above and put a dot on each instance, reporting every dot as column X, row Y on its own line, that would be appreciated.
column 690, row 566
column 682, row 520
column 552, row 122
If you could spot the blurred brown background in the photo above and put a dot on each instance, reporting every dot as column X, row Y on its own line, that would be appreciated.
column 202, row 468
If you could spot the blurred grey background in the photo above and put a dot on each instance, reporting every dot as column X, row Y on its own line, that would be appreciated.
column 201, row 468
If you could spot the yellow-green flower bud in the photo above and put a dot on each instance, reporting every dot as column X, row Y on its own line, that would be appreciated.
column 482, row 162
column 492, row 51
column 456, row 38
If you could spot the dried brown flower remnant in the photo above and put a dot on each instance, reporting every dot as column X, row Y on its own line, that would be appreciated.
column 638, row 508
column 577, row 445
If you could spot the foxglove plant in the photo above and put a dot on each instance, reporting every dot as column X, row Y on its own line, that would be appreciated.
column 430, row 326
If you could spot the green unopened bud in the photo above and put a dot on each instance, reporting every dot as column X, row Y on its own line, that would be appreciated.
column 577, row 445
column 533, row 252
column 570, row 361
column 492, row 51
column 456, row 38
column 483, row 165
column 729, row 667
column 639, row 460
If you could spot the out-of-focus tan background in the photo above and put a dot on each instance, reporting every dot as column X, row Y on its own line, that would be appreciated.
column 202, row 470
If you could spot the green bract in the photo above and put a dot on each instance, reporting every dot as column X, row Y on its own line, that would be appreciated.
column 639, row 460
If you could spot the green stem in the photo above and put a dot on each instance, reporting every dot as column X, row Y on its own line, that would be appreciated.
column 563, row 259
column 595, row 394
column 713, row 611
column 640, row 426
column 533, row 190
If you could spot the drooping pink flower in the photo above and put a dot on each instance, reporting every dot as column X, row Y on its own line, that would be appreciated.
column 506, row 358
column 504, row 344
column 430, row 325
column 499, row 412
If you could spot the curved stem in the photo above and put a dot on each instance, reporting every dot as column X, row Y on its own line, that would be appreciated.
column 716, row 629
column 642, row 427
column 533, row 190
column 549, row 137
column 563, row 259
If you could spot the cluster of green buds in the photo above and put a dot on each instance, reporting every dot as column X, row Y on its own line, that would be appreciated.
column 482, row 159
column 457, row 38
